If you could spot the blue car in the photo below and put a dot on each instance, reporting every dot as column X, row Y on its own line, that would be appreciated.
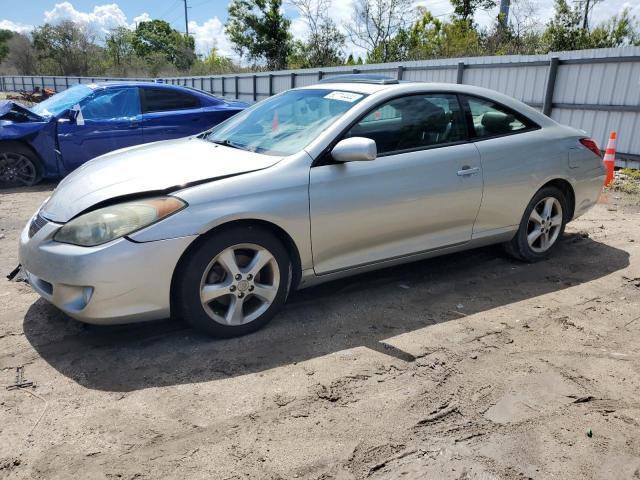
column 58, row 135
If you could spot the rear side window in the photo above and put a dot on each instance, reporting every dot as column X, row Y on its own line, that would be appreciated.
column 412, row 123
column 492, row 120
column 162, row 100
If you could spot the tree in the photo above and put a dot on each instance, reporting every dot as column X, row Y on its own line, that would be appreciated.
column 22, row 55
column 376, row 22
column 325, row 43
column 429, row 37
column 5, row 36
column 65, row 49
column 619, row 30
column 119, row 45
column 157, row 37
column 466, row 9
column 259, row 31
column 564, row 31
column 213, row 63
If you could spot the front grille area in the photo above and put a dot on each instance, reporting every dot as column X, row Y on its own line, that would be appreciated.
column 36, row 224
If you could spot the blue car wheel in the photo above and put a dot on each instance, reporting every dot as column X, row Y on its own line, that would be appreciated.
column 18, row 167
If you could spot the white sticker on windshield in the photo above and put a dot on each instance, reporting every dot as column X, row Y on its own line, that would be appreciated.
column 343, row 96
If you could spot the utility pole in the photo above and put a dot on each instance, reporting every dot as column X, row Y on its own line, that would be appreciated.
column 186, row 18
column 585, row 21
column 504, row 12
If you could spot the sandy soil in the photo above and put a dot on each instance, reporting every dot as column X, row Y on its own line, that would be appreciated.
column 469, row 366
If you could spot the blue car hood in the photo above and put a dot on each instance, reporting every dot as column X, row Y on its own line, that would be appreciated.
column 17, row 113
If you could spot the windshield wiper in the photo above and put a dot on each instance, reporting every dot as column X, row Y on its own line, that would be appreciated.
column 229, row 143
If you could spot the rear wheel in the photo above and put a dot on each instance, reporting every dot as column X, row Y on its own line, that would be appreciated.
column 542, row 225
column 18, row 167
column 233, row 282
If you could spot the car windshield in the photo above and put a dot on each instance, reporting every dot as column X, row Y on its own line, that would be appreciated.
column 286, row 123
column 61, row 101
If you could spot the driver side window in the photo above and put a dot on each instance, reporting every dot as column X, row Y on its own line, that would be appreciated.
column 412, row 123
column 111, row 104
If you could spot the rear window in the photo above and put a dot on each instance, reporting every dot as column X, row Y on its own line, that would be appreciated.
column 491, row 119
column 162, row 100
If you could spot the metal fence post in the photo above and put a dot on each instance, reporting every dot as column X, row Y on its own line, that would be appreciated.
column 202, row 84
column 42, row 80
column 255, row 88
column 460, row 72
column 236, row 87
column 551, row 84
column 222, row 86
column 400, row 72
column 293, row 80
column 320, row 74
column 270, row 84
column 356, row 71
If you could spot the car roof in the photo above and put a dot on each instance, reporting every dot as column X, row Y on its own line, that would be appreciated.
column 407, row 87
column 146, row 83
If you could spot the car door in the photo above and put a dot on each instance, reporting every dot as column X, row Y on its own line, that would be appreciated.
column 421, row 193
column 170, row 113
column 108, row 119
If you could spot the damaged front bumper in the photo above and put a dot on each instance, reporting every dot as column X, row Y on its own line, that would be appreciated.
column 118, row 282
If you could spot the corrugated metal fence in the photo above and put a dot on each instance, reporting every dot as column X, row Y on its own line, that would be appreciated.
column 595, row 90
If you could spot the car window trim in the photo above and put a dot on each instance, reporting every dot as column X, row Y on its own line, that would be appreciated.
column 324, row 158
column 143, row 100
column 464, row 99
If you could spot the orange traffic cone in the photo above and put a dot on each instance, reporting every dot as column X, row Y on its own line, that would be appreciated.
column 610, row 158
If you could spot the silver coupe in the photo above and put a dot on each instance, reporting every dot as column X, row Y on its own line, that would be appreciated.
column 345, row 176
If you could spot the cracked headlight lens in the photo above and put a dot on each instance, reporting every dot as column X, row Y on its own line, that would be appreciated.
column 115, row 221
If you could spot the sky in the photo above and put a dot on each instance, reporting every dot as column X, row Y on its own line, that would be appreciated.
column 207, row 17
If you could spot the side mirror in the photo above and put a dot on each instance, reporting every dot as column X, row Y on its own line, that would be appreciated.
column 75, row 115
column 355, row 149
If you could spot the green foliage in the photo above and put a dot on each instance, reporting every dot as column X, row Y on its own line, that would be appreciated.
column 430, row 37
column 5, row 36
column 213, row 64
column 157, row 37
column 466, row 9
column 260, row 32
column 119, row 46
column 65, row 49
column 566, row 31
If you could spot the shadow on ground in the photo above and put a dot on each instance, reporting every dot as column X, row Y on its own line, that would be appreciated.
column 360, row 311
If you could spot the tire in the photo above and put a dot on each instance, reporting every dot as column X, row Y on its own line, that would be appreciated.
column 520, row 246
column 18, row 166
column 208, row 288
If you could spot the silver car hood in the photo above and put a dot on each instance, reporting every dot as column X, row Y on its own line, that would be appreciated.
column 154, row 167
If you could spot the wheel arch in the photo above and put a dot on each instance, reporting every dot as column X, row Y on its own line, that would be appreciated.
column 567, row 189
column 276, row 230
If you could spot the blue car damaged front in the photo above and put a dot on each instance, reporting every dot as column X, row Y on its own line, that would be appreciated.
column 58, row 135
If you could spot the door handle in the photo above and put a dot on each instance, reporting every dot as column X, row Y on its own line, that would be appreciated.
column 467, row 170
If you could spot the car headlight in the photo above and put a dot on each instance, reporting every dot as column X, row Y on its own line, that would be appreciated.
column 115, row 221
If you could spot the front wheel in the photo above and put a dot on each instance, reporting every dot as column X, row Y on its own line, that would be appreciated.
column 542, row 225
column 233, row 282
column 18, row 167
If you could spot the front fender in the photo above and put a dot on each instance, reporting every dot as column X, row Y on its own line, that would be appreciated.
column 40, row 136
column 277, row 195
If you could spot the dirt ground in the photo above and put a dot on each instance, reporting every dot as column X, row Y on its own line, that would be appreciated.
column 469, row 366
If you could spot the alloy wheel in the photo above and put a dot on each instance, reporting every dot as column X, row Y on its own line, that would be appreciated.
column 545, row 224
column 239, row 284
column 16, row 168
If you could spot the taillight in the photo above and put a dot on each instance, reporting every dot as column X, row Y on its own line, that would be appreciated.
column 591, row 144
